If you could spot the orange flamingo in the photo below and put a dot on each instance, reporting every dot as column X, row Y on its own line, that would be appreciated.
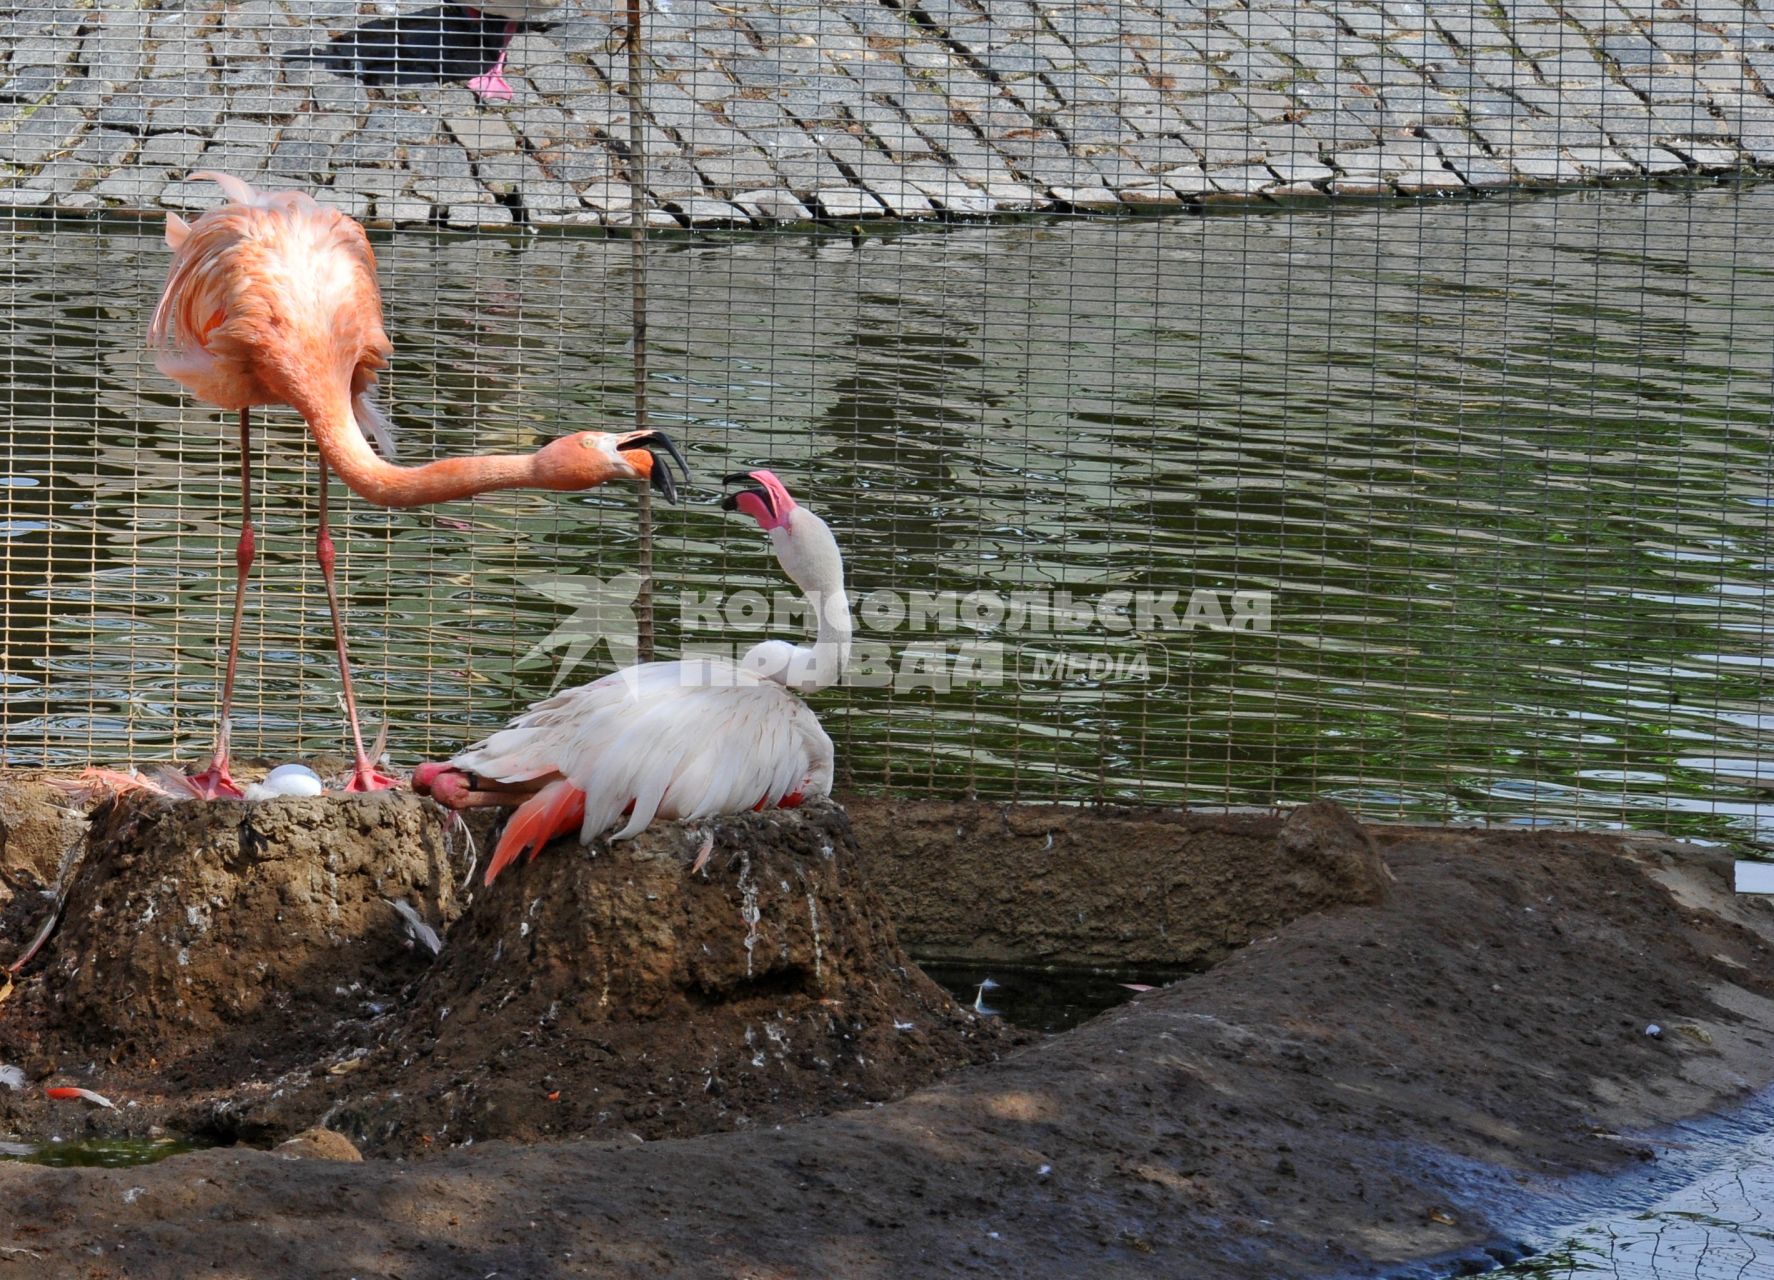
column 272, row 299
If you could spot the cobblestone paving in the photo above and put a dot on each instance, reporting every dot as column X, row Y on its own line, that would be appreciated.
column 761, row 112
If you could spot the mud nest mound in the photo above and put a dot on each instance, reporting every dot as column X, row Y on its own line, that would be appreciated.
column 239, row 969
column 211, row 942
column 611, row 992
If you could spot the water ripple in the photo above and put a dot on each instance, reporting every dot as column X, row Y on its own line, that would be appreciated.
column 1502, row 466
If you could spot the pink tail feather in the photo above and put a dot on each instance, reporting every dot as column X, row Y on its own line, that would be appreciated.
column 553, row 811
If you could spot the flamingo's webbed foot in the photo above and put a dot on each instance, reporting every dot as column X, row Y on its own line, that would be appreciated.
column 366, row 778
column 455, row 789
column 491, row 86
column 214, row 783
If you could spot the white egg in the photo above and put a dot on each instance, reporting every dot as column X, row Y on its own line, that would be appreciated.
column 286, row 780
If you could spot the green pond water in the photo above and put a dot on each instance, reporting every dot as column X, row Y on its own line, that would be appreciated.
column 95, row 1153
column 1485, row 485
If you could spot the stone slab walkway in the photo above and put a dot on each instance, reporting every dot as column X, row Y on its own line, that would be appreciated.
column 768, row 111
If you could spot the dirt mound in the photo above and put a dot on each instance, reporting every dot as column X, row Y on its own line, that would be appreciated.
column 237, row 970
column 1115, row 887
column 615, row 993
column 38, row 831
column 1364, row 1085
column 41, row 833
column 202, row 938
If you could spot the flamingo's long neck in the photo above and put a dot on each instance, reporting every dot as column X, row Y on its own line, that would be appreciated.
column 810, row 555
column 831, row 644
column 372, row 477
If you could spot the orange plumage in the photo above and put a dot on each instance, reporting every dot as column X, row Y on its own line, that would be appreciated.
column 554, row 811
column 272, row 299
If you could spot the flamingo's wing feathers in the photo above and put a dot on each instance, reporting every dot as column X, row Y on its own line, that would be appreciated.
column 684, row 739
column 237, row 190
column 248, row 275
column 374, row 424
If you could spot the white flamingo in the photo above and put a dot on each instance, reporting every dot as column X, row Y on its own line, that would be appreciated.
column 686, row 739
column 490, row 84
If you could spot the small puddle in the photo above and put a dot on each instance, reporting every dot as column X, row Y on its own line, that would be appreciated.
column 1703, row 1209
column 94, row 1153
column 1049, row 1000
column 1718, row 1227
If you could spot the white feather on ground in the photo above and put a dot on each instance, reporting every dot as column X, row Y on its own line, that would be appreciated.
column 420, row 932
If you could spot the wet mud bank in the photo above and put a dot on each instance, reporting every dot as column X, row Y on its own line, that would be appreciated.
column 1420, row 1033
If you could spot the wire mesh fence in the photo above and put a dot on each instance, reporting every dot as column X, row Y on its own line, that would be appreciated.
column 1449, row 509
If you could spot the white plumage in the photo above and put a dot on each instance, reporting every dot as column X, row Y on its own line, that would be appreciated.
column 687, row 739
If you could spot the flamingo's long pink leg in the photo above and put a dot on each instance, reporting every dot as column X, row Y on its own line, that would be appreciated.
column 214, row 782
column 491, row 83
column 364, row 775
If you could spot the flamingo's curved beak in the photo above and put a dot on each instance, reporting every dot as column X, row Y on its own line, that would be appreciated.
column 765, row 499
column 660, row 475
column 731, row 501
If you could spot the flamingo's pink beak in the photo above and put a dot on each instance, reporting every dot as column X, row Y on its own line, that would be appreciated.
column 768, row 503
